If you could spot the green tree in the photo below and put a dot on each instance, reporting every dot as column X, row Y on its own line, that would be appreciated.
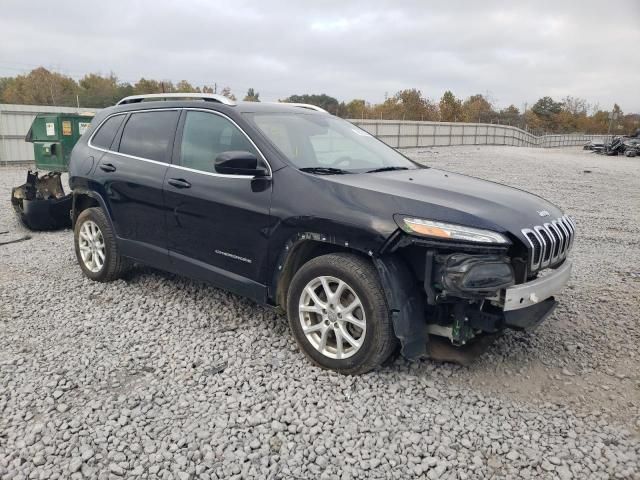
column 546, row 107
column 450, row 108
column 252, row 96
column 546, row 114
column 509, row 116
column 98, row 91
column 354, row 109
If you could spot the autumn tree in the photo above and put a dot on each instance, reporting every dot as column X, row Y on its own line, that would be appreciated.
column 226, row 92
column 408, row 104
column 185, row 87
column 477, row 108
column 144, row 86
column 509, row 115
column 4, row 83
column 252, row 96
column 572, row 114
column 41, row 87
column 450, row 107
column 322, row 100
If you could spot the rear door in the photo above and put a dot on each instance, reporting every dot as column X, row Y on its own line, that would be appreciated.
column 132, row 173
column 216, row 223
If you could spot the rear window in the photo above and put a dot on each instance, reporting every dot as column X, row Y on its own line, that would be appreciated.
column 104, row 136
column 149, row 135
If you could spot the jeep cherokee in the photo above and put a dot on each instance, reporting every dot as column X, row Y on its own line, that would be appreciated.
column 294, row 208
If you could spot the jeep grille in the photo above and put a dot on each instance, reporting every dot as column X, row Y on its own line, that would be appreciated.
column 550, row 242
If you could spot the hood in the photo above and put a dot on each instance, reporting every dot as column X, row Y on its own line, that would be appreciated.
column 449, row 197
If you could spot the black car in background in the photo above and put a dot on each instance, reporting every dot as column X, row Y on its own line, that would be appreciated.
column 294, row 208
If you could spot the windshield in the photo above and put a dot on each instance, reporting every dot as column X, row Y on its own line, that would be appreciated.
column 327, row 144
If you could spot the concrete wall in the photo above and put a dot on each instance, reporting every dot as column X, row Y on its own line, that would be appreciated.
column 407, row 134
column 15, row 121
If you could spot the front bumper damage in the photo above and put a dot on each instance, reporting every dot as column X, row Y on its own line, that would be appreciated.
column 528, row 305
column 461, row 302
column 532, row 293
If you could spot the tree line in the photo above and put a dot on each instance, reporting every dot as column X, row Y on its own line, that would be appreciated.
column 571, row 114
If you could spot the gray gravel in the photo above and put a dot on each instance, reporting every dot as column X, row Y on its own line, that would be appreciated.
column 157, row 376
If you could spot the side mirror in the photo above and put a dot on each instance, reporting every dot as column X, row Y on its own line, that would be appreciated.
column 239, row 163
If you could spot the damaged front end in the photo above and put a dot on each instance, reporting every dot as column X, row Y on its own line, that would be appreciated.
column 455, row 299
column 41, row 202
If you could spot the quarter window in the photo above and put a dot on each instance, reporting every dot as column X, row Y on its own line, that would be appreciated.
column 104, row 136
column 149, row 135
column 207, row 135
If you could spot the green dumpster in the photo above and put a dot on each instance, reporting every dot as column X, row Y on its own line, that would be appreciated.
column 41, row 202
column 53, row 136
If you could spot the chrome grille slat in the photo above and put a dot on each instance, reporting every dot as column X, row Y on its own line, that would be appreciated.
column 554, row 242
column 550, row 242
column 566, row 235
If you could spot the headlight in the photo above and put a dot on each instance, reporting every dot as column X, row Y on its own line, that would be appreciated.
column 449, row 231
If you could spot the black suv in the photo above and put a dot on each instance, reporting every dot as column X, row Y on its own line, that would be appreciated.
column 295, row 208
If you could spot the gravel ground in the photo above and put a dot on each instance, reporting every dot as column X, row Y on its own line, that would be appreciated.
column 157, row 376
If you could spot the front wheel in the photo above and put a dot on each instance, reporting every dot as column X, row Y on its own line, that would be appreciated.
column 96, row 247
column 338, row 314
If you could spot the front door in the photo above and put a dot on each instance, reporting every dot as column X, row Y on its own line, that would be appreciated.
column 217, row 224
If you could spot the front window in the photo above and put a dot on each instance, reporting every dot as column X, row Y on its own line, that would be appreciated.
column 323, row 142
column 207, row 135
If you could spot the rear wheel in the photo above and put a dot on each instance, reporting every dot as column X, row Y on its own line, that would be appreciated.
column 96, row 247
column 338, row 314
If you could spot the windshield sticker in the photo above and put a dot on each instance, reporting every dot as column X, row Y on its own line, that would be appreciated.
column 362, row 133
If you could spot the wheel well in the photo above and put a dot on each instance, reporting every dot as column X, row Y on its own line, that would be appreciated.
column 80, row 203
column 300, row 254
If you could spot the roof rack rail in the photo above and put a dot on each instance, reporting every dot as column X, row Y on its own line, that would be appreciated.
column 306, row 105
column 207, row 97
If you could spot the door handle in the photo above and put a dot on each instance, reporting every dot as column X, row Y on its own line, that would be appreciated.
column 107, row 167
column 179, row 183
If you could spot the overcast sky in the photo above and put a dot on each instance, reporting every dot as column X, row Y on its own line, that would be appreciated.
column 515, row 51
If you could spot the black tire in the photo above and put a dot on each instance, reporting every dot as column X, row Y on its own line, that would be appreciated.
column 362, row 278
column 114, row 265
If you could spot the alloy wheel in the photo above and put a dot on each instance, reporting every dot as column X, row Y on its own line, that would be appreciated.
column 92, row 246
column 332, row 317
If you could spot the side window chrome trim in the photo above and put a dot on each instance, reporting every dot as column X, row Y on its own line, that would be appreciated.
column 212, row 174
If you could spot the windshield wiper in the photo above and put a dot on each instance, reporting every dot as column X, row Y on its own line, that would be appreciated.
column 324, row 170
column 386, row 169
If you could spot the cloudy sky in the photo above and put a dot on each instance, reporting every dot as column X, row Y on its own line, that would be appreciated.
column 514, row 51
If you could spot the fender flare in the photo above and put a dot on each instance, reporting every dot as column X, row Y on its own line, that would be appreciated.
column 297, row 240
column 404, row 297
column 406, row 305
column 97, row 197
